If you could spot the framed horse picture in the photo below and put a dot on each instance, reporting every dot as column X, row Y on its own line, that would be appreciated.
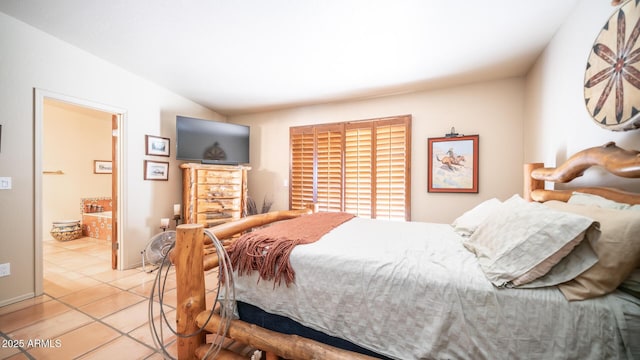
column 453, row 164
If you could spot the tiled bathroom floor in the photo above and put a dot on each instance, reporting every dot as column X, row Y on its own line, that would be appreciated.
column 88, row 311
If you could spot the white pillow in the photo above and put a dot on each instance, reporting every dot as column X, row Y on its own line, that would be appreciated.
column 522, row 241
column 468, row 222
column 578, row 198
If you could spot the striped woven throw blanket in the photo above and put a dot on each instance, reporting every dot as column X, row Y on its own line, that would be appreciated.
column 267, row 250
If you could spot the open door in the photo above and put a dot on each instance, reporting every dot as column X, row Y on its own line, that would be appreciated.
column 118, row 116
column 114, row 192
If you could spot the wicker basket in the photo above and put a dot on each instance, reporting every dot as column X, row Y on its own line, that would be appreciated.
column 66, row 230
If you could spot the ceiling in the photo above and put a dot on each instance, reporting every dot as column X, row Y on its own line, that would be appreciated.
column 242, row 56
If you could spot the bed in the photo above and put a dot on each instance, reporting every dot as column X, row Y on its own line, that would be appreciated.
column 377, row 289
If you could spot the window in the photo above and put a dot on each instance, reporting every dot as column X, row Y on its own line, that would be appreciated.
column 360, row 167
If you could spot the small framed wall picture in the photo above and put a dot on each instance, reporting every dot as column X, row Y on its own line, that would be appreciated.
column 102, row 167
column 156, row 145
column 453, row 164
column 156, row 170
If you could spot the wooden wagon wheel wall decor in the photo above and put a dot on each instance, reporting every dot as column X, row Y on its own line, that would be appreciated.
column 612, row 78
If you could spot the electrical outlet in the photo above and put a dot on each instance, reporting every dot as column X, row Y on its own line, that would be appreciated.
column 5, row 183
column 5, row 269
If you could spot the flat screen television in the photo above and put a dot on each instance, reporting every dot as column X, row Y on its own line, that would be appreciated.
column 211, row 142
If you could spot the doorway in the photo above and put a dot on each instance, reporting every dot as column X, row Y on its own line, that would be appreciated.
column 81, row 171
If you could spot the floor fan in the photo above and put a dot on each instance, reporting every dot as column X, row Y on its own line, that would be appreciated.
column 157, row 249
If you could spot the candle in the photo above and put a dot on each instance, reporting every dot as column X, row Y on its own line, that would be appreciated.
column 164, row 222
column 176, row 209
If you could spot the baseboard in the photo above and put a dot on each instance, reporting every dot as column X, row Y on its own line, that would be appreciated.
column 16, row 299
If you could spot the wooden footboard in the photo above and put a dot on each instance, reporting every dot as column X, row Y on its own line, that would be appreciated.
column 191, row 259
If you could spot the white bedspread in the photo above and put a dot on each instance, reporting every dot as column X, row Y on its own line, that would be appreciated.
column 412, row 291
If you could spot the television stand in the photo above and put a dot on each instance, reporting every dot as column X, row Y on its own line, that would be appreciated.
column 213, row 188
column 218, row 162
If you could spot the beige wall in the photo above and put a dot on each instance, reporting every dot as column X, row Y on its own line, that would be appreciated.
column 32, row 60
column 73, row 138
column 557, row 123
column 494, row 110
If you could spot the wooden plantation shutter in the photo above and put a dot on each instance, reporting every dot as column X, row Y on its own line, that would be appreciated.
column 329, row 167
column 358, row 170
column 360, row 167
column 302, row 142
column 392, row 180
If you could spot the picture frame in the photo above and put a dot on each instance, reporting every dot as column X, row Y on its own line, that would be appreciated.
column 156, row 170
column 453, row 164
column 102, row 166
column 157, row 146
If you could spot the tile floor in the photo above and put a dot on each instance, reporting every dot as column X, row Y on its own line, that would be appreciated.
column 88, row 311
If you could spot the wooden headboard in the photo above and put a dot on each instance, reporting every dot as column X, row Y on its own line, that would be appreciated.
column 615, row 160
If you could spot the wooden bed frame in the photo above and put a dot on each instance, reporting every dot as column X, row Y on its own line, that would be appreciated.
column 617, row 161
column 193, row 256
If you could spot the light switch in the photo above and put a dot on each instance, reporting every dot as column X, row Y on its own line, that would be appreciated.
column 5, row 183
column 5, row 269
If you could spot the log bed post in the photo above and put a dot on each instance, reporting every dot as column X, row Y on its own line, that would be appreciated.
column 188, row 255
